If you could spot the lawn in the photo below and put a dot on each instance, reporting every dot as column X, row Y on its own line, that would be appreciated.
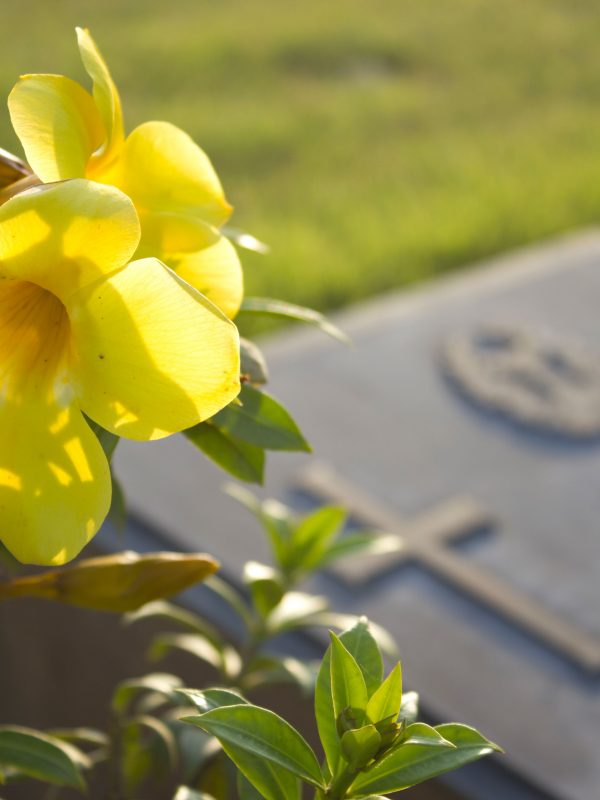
column 372, row 143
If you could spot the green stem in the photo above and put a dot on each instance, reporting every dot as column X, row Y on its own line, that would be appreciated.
column 340, row 784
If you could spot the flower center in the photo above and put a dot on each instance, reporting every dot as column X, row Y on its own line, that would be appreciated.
column 34, row 341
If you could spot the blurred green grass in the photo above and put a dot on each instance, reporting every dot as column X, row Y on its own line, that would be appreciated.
column 371, row 143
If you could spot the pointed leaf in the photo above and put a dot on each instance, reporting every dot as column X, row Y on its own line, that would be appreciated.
column 37, row 755
column 253, row 367
column 348, row 688
column 262, row 733
column 409, row 764
column 265, row 586
column 362, row 646
column 207, row 699
column 359, row 746
column 386, row 700
column 241, row 459
column 120, row 582
column 260, row 420
column 160, row 682
column 268, row 778
column 312, row 536
column 231, row 596
column 295, row 610
column 421, row 733
column 278, row 308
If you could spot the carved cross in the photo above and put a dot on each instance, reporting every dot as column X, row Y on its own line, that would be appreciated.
column 424, row 540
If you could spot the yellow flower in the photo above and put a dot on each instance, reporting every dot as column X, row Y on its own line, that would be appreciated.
column 132, row 346
column 67, row 132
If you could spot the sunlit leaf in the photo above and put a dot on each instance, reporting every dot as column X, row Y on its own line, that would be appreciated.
column 411, row 764
column 386, row 699
column 120, row 582
column 260, row 420
column 312, row 536
column 161, row 682
column 207, row 699
column 265, row 586
column 362, row 646
column 279, row 308
column 421, row 733
column 245, row 240
column 262, row 734
column 296, row 609
column 348, row 687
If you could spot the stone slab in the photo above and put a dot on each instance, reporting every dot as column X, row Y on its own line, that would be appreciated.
column 383, row 415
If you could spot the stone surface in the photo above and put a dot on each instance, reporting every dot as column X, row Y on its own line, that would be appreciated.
column 384, row 416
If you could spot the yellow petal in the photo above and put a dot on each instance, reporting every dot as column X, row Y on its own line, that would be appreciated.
column 166, row 232
column 58, row 124
column 65, row 235
column 55, row 486
column 162, row 169
column 216, row 272
column 152, row 356
column 105, row 92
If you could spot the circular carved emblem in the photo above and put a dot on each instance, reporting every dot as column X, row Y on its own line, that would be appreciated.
column 533, row 378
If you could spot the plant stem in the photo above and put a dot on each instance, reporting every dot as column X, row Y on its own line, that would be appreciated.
column 339, row 785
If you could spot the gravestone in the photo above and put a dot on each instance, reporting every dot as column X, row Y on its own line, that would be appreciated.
column 463, row 425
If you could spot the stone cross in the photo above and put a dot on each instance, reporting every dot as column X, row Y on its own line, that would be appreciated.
column 424, row 540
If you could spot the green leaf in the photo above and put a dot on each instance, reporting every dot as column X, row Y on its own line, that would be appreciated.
column 225, row 659
column 359, row 642
column 409, row 708
column 160, row 682
column 148, row 751
column 108, row 440
column 207, row 699
column 421, row 733
column 118, row 506
column 37, row 755
column 260, row 420
column 185, row 793
column 312, row 536
column 264, row 734
column 242, row 460
column 89, row 736
column 265, row 586
column 119, row 582
column 342, row 622
column 348, row 688
column 408, row 765
column 296, row 610
column 359, row 746
column 361, row 543
column 245, row 240
column 386, row 700
column 269, row 779
column 253, row 367
column 279, row 308
column 161, row 609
